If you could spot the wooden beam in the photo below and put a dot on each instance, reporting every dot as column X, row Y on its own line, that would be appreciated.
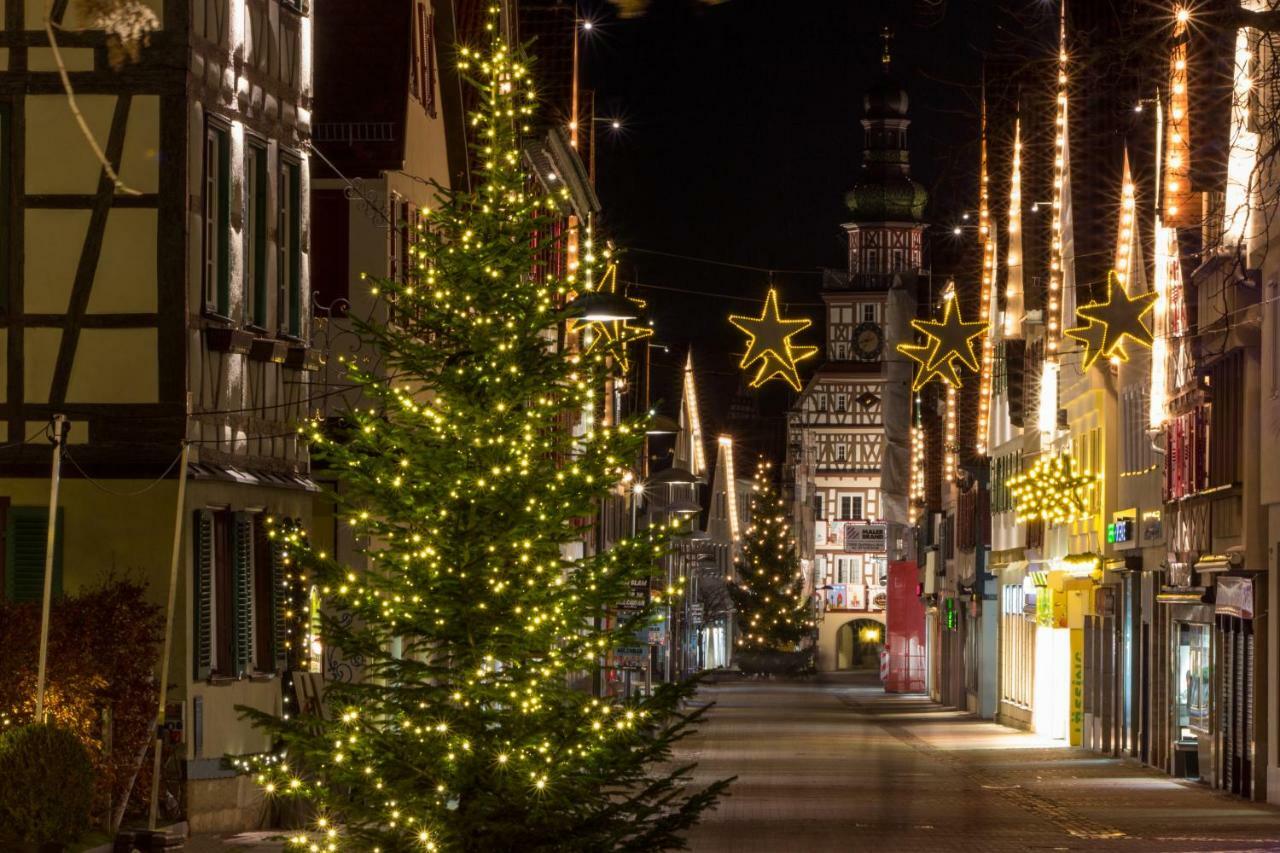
column 94, row 321
column 73, row 201
column 90, row 252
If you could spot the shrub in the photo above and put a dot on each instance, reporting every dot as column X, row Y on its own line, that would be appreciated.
column 104, row 643
column 46, row 785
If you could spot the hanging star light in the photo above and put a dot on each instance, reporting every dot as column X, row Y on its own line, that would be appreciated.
column 769, row 343
column 612, row 336
column 948, row 341
column 1109, row 322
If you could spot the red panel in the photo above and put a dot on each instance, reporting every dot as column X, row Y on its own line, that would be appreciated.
column 904, row 616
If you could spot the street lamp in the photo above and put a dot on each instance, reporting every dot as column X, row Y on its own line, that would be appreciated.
column 675, row 476
column 596, row 307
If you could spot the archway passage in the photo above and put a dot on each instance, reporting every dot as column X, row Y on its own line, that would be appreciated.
column 858, row 645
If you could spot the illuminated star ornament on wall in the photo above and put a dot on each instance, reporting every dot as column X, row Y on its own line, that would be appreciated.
column 1109, row 322
column 612, row 336
column 948, row 344
column 769, row 344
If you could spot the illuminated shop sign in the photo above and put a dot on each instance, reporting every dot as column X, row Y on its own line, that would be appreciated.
column 865, row 538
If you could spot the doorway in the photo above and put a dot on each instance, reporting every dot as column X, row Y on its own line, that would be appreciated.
column 858, row 645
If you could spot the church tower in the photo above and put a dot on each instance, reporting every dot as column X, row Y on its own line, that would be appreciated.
column 836, row 428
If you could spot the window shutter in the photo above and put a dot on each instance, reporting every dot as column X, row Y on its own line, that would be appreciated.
column 280, row 600
column 242, row 590
column 26, row 534
column 202, row 594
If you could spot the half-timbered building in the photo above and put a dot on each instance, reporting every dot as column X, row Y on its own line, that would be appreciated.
column 836, row 434
column 171, row 305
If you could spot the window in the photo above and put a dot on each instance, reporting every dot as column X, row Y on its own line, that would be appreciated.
column 1138, row 455
column 217, row 222
column 817, row 507
column 850, row 507
column 255, row 234
column 289, row 249
column 842, row 403
column 841, row 450
column 869, row 312
column 26, row 535
column 873, row 261
column 842, row 353
column 238, row 596
column 822, row 402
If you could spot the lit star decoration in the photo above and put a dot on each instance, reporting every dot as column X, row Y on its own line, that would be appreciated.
column 612, row 336
column 948, row 342
column 1052, row 491
column 1110, row 322
column 769, row 344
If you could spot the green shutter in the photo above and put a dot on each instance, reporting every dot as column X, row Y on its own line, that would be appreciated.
column 280, row 601
column 242, row 589
column 26, row 535
column 224, row 223
column 202, row 594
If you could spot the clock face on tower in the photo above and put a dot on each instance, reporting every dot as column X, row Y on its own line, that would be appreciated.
column 868, row 341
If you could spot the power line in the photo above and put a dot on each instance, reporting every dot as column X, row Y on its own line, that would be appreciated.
column 698, row 260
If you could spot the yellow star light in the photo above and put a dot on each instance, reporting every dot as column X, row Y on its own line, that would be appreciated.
column 1109, row 322
column 769, row 342
column 947, row 341
column 612, row 336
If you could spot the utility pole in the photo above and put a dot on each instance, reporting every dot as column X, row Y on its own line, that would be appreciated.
column 59, row 429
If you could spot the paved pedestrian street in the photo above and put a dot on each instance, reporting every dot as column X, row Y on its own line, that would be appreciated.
column 838, row 765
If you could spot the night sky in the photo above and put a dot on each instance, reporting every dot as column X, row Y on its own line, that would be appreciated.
column 741, row 136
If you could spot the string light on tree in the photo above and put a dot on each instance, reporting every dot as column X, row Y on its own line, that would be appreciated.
column 466, row 475
column 769, row 347
column 768, row 589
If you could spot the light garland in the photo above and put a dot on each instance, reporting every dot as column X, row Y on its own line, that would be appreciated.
column 1179, row 210
column 1119, row 316
column 1061, row 149
column 916, row 507
column 948, row 344
column 769, row 344
column 1052, row 491
column 611, row 337
column 1014, row 303
column 951, row 450
column 988, row 300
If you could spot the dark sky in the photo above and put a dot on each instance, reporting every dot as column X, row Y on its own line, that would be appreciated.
column 741, row 136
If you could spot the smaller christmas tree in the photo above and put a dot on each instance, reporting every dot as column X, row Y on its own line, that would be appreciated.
column 773, row 611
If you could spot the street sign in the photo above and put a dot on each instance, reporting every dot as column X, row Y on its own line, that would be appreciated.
column 631, row 657
column 638, row 598
column 865, row 538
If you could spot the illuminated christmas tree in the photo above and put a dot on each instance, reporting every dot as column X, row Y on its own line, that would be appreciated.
column 774, row 613
column 468, row 478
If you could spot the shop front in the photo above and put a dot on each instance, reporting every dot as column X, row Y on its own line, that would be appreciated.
column 1063, row 596
column 1018, row 596
column 1236, row 600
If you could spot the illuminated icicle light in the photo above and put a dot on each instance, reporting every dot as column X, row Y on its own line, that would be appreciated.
column 1015, row 304
column 1048, row 410
column 917, row 473
column 1179, row 211
column 731, row 486
column 1053, row 491
column 989, row 301
column 1053, row 314
column 692, row 419
column 1242, row 157
column 769, row 344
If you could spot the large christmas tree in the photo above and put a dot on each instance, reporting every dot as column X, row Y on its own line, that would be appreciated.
column 467, row 475
column 774, row 613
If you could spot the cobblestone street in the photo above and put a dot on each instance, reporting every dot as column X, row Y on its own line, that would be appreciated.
column 841, row 766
